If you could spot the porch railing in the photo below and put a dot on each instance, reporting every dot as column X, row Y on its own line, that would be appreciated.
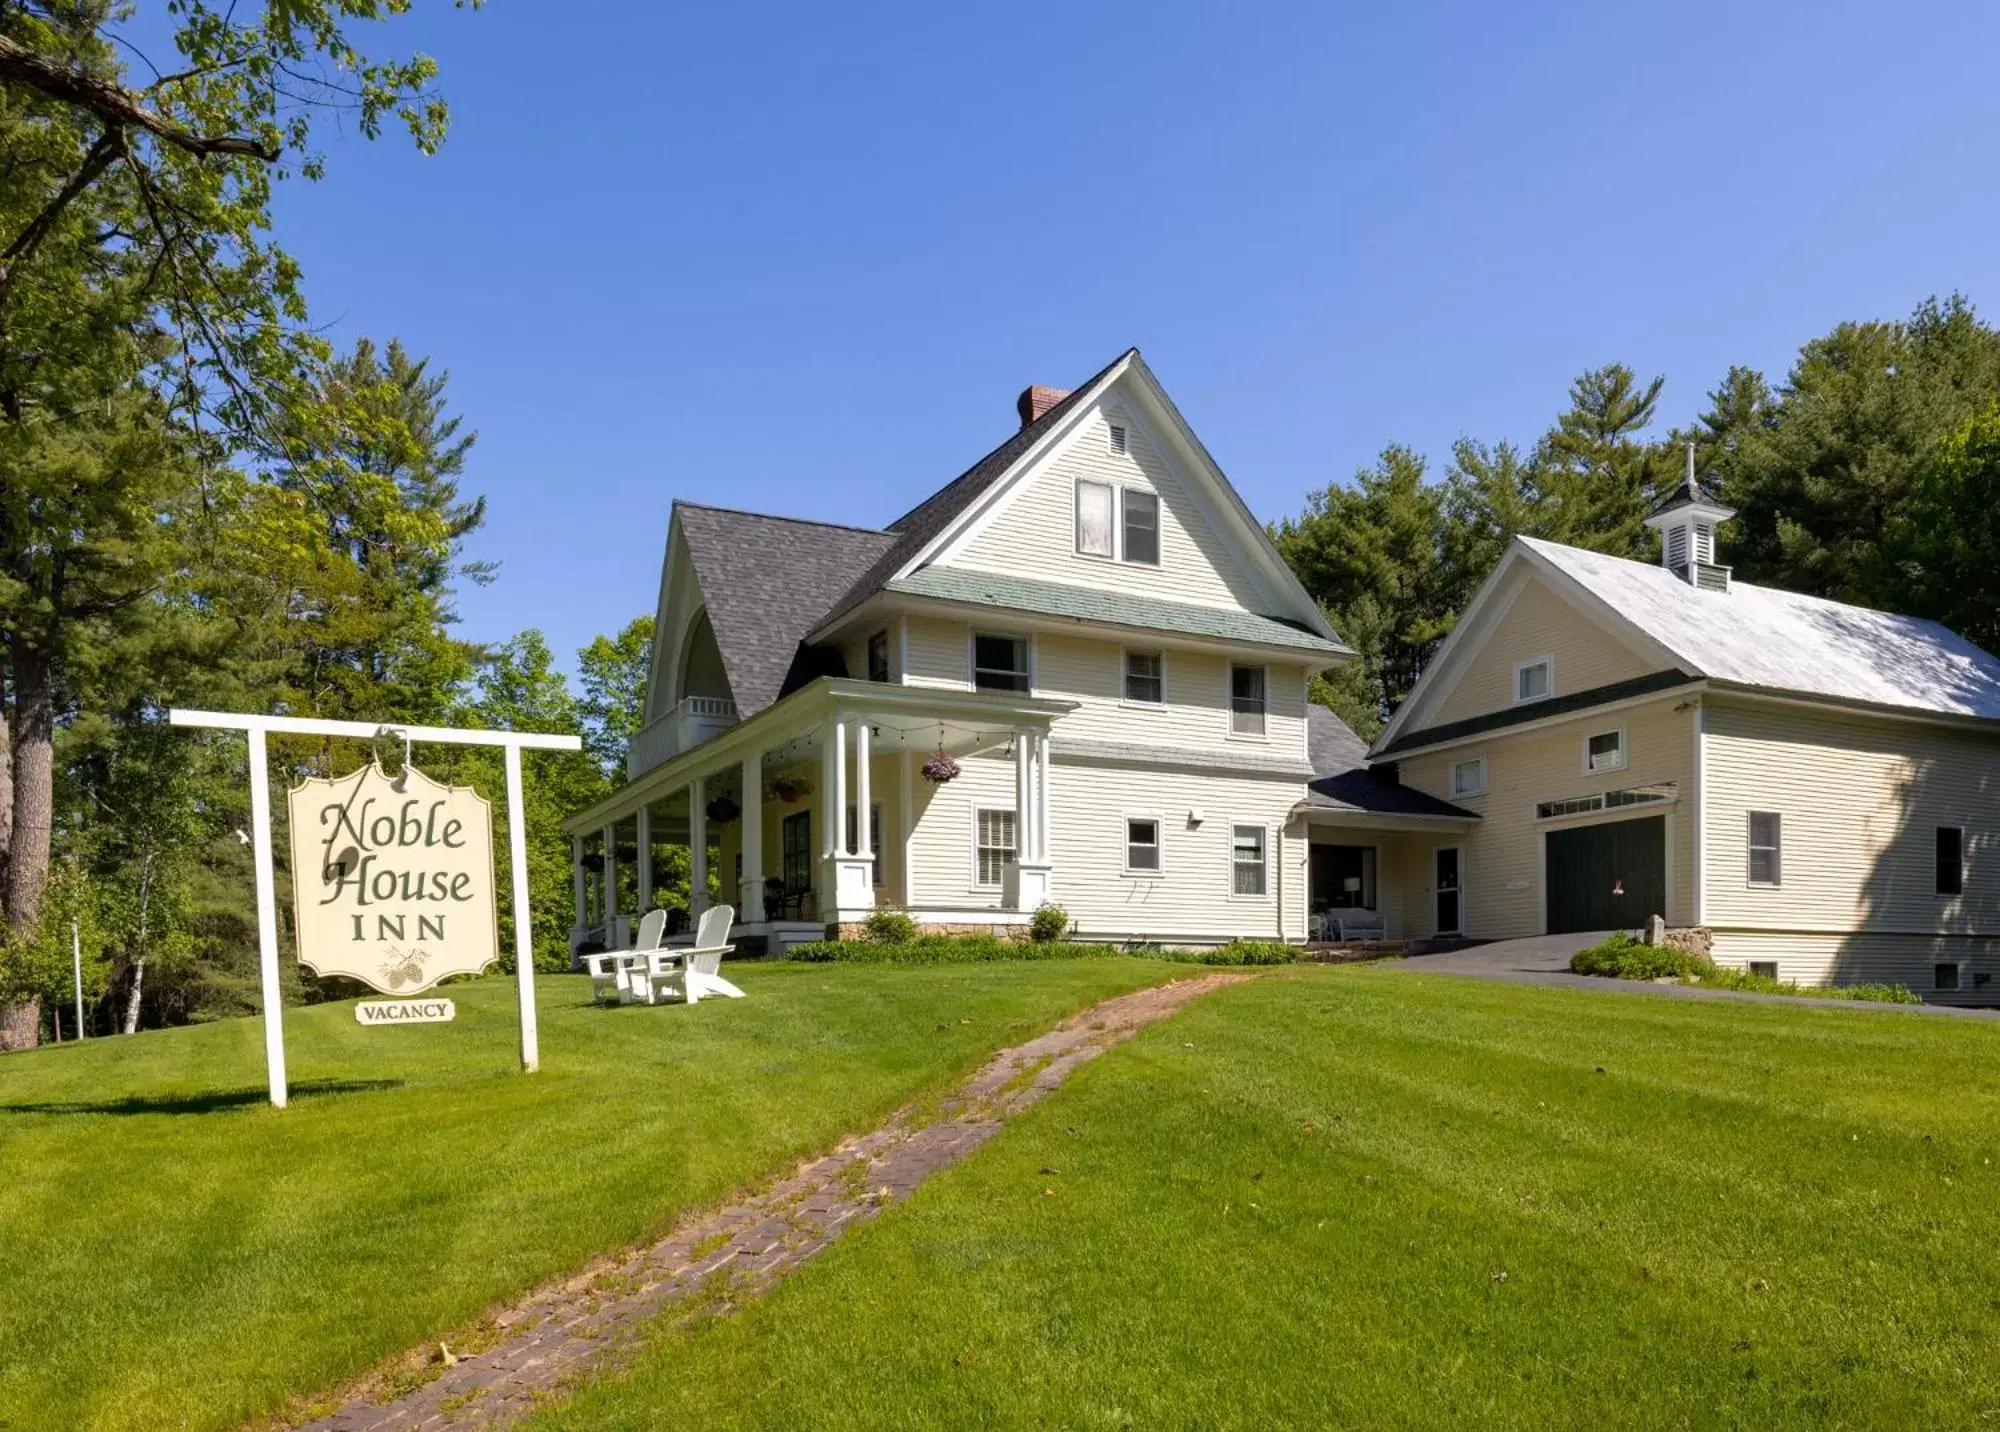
column 690, row 723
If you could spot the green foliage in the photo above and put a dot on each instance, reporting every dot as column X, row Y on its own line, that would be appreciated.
column 1248, row 952
column 984, row 949
column 1048, row 924
column 612, row 671
column 1622, row 957
column 891, row 927
column 1940, row 555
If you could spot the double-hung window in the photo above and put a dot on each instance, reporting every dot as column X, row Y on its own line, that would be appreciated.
column 994, row 849
column 1766, row 848
column 1246, row 859
column 878, row 656
column 1142, row 527
column 1145, row 677
column 1142, row 845
column 1096, row 517
column 1950, row 860
column 1246, row 700
column 999, row 663
column 1468, row 778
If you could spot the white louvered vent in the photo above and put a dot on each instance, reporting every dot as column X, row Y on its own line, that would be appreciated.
column 1118, row 439
column 1677, row 547
column 1704, row 542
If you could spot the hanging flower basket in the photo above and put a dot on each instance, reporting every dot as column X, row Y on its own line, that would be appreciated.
column 723, row 811
column 791, row 789
column 940, row 768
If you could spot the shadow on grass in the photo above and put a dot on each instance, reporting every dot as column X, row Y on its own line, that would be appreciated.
column 207, row 1103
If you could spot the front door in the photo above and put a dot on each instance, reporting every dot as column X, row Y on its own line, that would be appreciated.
column 1450, row 907
column 1607, row 877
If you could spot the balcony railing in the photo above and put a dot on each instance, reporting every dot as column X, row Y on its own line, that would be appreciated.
column 690, row 723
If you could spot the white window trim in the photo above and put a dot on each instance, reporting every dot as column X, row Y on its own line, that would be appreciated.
column 1159, row 843
column 1521, row 666
column 1750, row 967
column 1076, row 519
column 1624, row 752
column 1748, row 831
column 972, row 635
column 1159, row 528
column 1480, row 789
column 1127, row 701
column 990, row 809
column 1270, row 855
column 1229, row 730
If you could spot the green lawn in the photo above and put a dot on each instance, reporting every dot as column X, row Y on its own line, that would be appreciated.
column 173, row 1252
column 1362, row 1197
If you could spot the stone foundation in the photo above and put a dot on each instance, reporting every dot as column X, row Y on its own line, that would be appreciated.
column 1695, row 939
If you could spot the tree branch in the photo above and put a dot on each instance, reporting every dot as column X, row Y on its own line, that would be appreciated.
column 115, row 104
column 110, row 145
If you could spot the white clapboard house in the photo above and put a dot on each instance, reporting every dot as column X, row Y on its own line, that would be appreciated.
column 1087, row 632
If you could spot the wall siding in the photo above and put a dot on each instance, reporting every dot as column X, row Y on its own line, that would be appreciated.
column 1034, row 535
column 1909, row 960
column 1538, row 623
column 1505, row 894
column 1860, row 801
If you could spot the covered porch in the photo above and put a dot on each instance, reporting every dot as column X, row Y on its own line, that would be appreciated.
column 768, row 814
column 1383, row 862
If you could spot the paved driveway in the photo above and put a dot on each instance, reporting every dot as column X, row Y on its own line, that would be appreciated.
column 1544, row 960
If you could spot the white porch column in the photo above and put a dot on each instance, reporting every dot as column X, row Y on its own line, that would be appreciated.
column 611, row 940
column 864, row 842
column 697, row 847
column 1028, row 883
column 853, row 884
column 579, row 893
column 643, row 822
column 750, row 891
column 1042, row 798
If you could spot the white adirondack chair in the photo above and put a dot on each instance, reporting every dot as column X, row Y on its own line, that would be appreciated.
column 692, row 972
column 608, row 969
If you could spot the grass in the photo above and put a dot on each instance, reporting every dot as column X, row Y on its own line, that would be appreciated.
column 177, row 1253
column 1365, row 1197
column 1624, row 958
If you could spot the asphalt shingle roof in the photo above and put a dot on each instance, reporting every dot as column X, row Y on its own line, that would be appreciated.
column 1342, row 780
column 1058, row 599
column 767, row 582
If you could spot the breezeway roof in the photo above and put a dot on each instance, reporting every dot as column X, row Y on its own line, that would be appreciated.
column 1781, row 641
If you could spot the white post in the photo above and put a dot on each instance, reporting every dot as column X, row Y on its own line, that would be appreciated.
column 267, row 920
column 1024, row 814
column 826, row 762
column 1042, row 795
column 610, row 898
column 524, row 940
column 579, row 882
column 76, row 964
column 750, row 893
column 697, row 847
column 644, row 844
column 839, row 817
column 864, row 841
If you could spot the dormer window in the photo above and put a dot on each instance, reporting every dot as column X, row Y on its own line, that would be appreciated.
column 1535, row 680
column 1142, row 527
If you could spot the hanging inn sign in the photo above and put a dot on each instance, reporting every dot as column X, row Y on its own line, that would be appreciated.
column 393, row 879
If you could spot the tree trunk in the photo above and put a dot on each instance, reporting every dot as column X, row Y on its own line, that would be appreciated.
column 21, row 1024
column 139, row 960
column 6, row 789
column 34, row 785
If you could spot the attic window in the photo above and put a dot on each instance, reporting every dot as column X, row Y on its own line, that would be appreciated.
column 1117, row 440
column 1535, row 680
column 1095, row 504
column 1142, row 527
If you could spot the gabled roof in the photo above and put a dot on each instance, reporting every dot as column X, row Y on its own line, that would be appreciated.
column 766, row 582
column 1689, row 494
column 1342, row 780
column 922, row 524
column 1781, row 641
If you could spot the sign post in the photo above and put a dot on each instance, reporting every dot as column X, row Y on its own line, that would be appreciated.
column 255, row 728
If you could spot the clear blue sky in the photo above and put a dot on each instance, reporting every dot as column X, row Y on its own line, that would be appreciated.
column 800, row 258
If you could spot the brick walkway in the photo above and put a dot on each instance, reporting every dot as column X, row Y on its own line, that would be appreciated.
column 592, row 1323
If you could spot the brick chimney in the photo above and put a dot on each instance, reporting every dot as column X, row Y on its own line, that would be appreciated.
column 1033, row 402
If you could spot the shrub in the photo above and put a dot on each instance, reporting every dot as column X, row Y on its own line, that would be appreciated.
column 1622, row 957
column 891, row 927
column 941, row 950
column 1242, row 952
column 1049, row 924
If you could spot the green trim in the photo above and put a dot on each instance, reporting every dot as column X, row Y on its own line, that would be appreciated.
column 1538, row 710
column 1056, row 599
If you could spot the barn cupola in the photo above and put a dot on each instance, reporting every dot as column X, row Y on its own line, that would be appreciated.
column 1686, row 522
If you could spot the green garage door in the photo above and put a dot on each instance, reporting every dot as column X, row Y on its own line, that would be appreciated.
column 1607, row 877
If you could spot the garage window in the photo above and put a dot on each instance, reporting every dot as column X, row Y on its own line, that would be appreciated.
column 1766, row 840
column 1950, row 860
column 1944, row 975
column 1604, row 751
